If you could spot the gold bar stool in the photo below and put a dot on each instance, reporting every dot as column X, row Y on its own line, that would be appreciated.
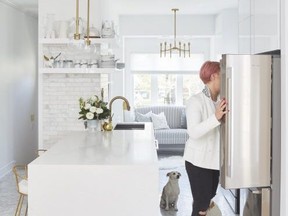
column 20, row 172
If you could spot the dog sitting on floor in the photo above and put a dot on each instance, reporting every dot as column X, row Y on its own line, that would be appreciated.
column 171, row 192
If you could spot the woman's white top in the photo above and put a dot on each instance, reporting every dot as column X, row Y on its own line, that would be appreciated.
column 202, row 149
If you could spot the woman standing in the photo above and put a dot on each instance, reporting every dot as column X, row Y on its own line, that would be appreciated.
column 204, row 113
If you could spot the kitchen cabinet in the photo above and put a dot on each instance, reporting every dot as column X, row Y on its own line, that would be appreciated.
column 259, row 26
column 265, row 25
column 244, row 38
column 244, row 9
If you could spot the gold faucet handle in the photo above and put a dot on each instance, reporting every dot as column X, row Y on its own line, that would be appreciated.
column 110, row 118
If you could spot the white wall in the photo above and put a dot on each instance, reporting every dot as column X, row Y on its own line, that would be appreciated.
column 60, row 102
column 18, row 88
column 189, row 25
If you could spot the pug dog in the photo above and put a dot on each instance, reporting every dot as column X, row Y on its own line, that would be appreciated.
column 170, row 192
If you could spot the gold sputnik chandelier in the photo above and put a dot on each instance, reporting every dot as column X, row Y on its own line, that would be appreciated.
column 181, row 48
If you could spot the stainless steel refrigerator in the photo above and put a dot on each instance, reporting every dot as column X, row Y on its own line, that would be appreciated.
column 250, row 84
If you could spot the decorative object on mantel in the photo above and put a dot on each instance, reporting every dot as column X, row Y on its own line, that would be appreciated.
column 107, row 30
column 120, row 65
column 107, row 61
column 94, row 111
column 49, row 62
column 93, row 32
column 94, row 125
column 107, row 126
column 181, row 48
column 49, row 31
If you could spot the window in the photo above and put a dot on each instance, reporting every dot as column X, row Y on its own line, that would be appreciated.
column 153, row 62
column 142, row 90
column 192, row 84
column 166, row 89
column 165, row 80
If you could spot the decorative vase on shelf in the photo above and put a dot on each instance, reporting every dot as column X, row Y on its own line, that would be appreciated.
column 94, row 125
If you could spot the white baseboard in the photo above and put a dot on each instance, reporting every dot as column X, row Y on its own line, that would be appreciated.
column 4, row 170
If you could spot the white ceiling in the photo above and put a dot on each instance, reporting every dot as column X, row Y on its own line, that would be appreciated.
column 146, row 6
column 28, row 6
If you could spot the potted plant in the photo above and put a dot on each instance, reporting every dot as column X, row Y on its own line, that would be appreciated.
column 94, row 111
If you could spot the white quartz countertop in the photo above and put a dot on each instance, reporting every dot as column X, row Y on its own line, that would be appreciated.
column 117, row 147
column 99, row 173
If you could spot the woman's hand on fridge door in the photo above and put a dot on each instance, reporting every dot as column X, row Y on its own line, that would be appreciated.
column 221, row 109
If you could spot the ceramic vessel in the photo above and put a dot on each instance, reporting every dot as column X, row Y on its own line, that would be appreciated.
column 94, row 125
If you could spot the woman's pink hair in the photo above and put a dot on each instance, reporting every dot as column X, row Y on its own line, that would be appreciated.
column 207, row 69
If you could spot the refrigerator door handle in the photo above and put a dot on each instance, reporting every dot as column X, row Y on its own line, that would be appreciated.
column 228, row 142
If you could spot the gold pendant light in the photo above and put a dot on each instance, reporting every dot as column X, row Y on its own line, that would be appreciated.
column 77, row 35
column 88, row 41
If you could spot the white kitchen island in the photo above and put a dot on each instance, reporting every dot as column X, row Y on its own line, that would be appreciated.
column 101, row 173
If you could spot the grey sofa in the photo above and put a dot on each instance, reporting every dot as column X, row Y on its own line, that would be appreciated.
column 172, row 139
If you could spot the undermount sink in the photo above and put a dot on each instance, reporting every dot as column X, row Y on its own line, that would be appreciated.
column 129, row 126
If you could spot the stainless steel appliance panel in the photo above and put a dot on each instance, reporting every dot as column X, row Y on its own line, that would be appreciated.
column 276, row 135
column 256, row 202
column 246, row 130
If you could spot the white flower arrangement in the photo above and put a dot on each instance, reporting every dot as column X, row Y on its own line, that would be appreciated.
column 93, row 108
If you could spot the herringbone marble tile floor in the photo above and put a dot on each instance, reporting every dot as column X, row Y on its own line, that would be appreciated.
column 176, row 163
column 9, row 195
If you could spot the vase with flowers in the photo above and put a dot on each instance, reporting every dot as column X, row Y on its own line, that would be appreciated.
column 94, row 111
